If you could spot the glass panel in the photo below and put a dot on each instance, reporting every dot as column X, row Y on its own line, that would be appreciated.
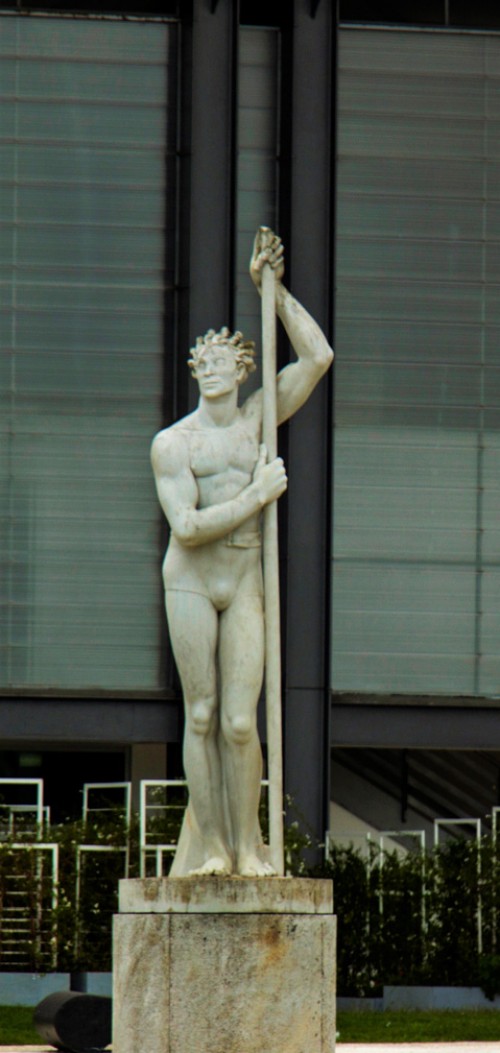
column 87, row 192
column 416, row 543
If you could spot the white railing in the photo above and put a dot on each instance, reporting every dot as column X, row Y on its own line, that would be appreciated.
column 19, row 909
column 160, row 798
column 12, row 809
column 100, row 789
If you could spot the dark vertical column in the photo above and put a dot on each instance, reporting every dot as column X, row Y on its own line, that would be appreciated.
column 307, row 746
column 205, row 193
column 212, row 169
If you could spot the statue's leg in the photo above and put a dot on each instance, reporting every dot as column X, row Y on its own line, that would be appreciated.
column 241, row 659
column 193, row 627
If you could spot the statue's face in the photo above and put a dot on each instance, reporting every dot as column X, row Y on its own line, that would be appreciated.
column 217, row 371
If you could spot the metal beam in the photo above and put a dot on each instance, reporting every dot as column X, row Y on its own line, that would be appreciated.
column 416, row 727
column 211, row 165
column 95, row 722
column 309, row 439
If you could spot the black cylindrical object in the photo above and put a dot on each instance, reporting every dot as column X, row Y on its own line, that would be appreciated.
column 71, row 1020
column 78, row 981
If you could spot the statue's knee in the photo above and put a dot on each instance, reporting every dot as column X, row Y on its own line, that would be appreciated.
column 239, row 729
column 200, row 716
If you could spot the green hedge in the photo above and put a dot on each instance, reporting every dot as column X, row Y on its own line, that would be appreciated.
column 409, row 919
column 423, row 918
column 74, row 933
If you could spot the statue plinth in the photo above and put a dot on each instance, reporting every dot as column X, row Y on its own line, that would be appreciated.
column 224, row 965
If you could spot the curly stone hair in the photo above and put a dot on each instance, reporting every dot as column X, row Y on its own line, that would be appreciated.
column 244, row 350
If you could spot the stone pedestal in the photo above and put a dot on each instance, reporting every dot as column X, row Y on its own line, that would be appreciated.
column 224, row 965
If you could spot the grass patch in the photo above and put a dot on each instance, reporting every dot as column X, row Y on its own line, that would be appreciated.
column 16, row 1026
column 405, row 1025
column 411, row 1025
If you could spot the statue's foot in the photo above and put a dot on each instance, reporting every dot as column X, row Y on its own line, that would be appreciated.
column 249, row 865
column 216, row 866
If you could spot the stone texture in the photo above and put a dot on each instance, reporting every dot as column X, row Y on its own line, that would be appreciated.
column 202, row 895
column 141, row 983
column 224, row 983
column 227, row 981
column 216, row 472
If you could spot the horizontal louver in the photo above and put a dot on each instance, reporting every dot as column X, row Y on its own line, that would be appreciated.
column 416, row 604
column 86, row 272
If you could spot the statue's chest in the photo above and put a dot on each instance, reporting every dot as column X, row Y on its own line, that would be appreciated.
column 224, row 450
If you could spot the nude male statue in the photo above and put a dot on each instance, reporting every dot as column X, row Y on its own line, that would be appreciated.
column 213, row 481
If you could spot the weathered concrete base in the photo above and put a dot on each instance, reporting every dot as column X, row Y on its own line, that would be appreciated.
column 228, row 979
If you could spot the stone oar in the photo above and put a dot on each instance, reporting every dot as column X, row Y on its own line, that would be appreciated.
column 271, row 574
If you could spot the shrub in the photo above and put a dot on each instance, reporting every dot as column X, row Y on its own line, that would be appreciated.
column 424, row 917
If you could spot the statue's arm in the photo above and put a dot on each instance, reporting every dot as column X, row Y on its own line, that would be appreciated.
column 178, row 493
column 297, row 381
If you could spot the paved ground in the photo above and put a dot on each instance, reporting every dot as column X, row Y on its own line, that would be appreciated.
column 419, row 1047
column 348, row 1047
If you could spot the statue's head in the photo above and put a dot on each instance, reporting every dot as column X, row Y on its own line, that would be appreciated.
column 242, row 350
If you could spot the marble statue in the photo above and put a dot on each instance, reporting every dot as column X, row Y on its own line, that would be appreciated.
column 213, row 480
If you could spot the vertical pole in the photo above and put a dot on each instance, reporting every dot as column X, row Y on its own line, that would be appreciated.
column 271, row 577
column 308, row 568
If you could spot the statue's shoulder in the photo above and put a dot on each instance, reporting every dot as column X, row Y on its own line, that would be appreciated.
column 179, row 431
column 170, row 447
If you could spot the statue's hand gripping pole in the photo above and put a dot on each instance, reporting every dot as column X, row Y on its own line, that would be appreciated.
column 271, row 569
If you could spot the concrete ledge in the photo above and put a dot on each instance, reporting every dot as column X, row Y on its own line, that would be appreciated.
column 403, row 997
column 31, row 988
column 234, row 895
column 359, row 1005
column 407, row 997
